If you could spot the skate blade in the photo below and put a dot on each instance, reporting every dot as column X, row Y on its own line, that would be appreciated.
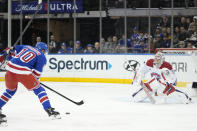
column 54, row 117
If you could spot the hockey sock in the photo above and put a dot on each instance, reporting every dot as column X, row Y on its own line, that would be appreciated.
column 6, row 96
column 42, row 95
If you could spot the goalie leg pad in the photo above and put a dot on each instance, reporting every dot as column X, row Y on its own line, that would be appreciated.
column 139, row 96
column 181, row 96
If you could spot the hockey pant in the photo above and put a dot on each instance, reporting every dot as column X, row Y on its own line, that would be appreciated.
column 30, row 82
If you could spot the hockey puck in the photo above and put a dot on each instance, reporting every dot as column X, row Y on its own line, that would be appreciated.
column 67, row 113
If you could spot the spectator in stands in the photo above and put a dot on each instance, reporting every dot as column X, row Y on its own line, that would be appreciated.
column 122, row 43
column 52, row 45
column 183, row 23
column 120, row 48
column 135, row 34
column 168, row 31
column 157, row 42
column 193, row 32
column 142, row 36
column 115, row 42
column 188, row 21
column 152, row 44
column 107, row 46
column 38, row 39
column 190, row 45
column 176, row 35
column 89, row 49
column 78, row 47
column 183, row 34
column 163, row 30
column 157, row 32
column 63, row 49
column 165, row 43
column 102, row 45
column 143, row 47
column 164, row 21
column 96, row 47
column 181, row 44
column 194, row 22
column 136, row 46
column 70, row 45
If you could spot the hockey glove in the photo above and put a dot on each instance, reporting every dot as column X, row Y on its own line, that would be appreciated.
column 169, row 89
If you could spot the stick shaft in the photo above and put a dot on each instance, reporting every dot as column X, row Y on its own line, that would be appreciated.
column 77, row 103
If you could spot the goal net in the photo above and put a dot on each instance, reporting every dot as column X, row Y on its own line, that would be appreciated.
column 184, row 63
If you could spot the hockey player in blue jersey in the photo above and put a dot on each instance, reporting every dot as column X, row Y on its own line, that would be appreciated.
column 26, row 67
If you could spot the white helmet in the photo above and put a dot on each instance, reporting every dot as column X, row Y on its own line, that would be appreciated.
column 159, row 59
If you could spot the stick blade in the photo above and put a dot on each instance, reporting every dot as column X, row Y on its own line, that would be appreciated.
column 80, row 103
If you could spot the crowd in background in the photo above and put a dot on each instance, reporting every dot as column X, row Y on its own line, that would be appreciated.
column 184, row 36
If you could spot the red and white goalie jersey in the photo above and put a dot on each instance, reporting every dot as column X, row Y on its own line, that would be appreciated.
column 158, row 68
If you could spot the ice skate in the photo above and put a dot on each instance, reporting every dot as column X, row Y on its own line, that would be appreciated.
column 188, row 100
column 53, row 114
column 3, row 119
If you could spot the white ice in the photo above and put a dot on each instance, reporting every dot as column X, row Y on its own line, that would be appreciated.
column 108, row 107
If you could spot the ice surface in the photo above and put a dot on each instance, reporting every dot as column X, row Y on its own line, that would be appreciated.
column 108, row 107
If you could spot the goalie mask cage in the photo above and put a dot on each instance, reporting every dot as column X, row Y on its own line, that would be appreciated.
column 184, row 63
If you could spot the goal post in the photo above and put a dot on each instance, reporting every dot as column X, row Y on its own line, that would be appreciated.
column 184, row 62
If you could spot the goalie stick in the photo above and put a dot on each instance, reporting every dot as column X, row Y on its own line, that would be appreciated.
column 77, row 103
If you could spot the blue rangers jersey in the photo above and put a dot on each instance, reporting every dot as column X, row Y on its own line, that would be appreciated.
column 27, row 60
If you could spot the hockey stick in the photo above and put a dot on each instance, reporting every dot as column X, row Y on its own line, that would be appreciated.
column 29, row 23
column 77, row 103
column 148, row 94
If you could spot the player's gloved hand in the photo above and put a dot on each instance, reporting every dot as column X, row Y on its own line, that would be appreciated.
column 8, row 50
column 36, row 75
column 169, row 88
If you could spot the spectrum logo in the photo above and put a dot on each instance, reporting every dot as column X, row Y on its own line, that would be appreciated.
column 80, row 64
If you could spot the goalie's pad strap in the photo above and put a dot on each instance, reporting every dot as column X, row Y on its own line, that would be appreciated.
column 148, row 86
column 163, row 76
